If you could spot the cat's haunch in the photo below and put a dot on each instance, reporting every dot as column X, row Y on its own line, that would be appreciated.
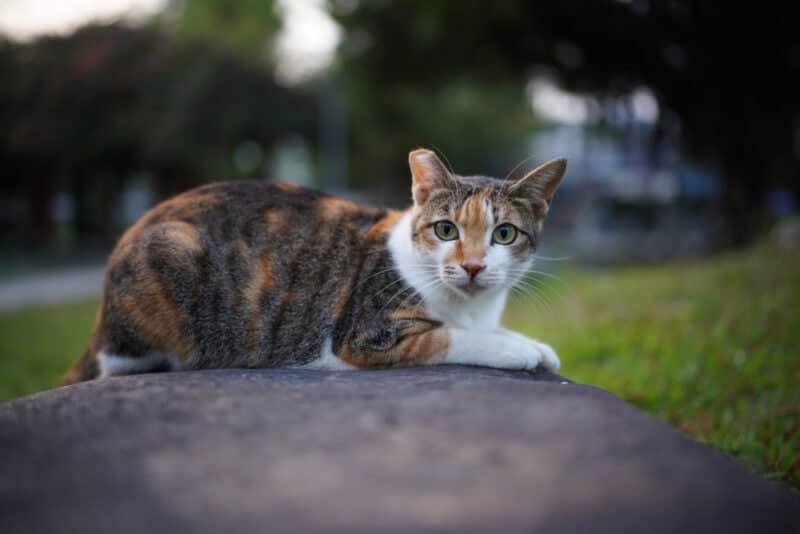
column 259, row 274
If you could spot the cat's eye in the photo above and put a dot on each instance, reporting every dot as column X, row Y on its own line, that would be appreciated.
column 505, row 234
column 445, row 230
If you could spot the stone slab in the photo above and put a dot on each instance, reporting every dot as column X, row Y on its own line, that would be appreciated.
column 438, row 449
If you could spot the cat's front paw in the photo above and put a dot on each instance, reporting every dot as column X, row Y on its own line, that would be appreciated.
column 534, row 353
column 503, row 350
column 549, row 358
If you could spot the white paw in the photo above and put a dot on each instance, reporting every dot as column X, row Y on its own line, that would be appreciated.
column 531, row 353
column 503, row 350
column 549, row 359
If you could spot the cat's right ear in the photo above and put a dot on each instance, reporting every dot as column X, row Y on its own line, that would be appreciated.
column 428, row 173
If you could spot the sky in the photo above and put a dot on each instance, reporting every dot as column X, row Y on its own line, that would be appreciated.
column 308, row 40
column 305, row 46
column 25, row 19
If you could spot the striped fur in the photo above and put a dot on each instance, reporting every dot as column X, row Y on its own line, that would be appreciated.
column 257, row 274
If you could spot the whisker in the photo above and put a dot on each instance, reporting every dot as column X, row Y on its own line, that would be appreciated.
column 417, row 292
column 373, row 275
column 432, row 270
column 543, row 295
column 537, row 291
column 547, row 258
column 446, row 160
column 517, row 166
column 507, row 180
column 534, row 272
column 387, row 286
column 403, row 290
column 533, row 298
column 544, row 286
column 413, row 289
column 398, row 280
column 548, row 275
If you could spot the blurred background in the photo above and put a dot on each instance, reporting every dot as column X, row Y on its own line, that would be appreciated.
column 670, row 268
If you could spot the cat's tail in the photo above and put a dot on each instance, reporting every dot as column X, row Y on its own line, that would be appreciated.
column 84, row 369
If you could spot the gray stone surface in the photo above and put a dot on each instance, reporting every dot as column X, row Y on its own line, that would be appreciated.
column 430, row 449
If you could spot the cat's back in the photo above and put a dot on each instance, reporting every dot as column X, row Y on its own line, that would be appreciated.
column 225, row 205
column 236, row 273
column 249, row 213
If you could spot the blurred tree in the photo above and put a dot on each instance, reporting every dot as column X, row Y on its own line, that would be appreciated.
column 245, row 27
column 479, row 127
column 83, row 113
column 729, row 71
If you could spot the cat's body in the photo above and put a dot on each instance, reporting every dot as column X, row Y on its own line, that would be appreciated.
column 256, row 274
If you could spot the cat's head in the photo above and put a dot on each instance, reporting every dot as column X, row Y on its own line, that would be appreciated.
column 475, row 234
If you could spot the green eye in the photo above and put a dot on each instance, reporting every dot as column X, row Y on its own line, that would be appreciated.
column 505, row 234
column 445, row 230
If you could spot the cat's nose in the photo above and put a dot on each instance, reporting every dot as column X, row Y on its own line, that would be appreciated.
column 473, row 268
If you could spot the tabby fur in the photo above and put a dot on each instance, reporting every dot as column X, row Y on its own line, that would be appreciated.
column 260, row 274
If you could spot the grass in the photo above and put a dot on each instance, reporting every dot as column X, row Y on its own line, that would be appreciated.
column 712, row 347
column 38, row 344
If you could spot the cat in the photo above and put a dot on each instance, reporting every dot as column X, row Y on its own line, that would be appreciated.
column 262, row 274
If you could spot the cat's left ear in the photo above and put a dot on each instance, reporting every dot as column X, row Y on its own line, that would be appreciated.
column 428, row 173
column 542, row 181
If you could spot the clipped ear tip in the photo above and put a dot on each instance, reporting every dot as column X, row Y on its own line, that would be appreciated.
column 419, row 152
column 427, row 173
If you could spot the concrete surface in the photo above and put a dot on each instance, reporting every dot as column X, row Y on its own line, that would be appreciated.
column 444, row 449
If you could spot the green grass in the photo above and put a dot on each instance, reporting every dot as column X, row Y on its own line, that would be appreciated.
column 712, row 347
column 38, row 344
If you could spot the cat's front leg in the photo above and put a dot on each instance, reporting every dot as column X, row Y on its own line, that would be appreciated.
column 504, row 349
column 410, row 337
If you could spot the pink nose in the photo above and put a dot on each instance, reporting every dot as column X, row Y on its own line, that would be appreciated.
column 473, row 268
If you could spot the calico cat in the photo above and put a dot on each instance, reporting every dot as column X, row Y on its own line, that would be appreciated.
column 258, row 274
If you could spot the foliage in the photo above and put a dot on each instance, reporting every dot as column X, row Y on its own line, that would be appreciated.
column 82, row 113
column 712, row 347
column 478, row 127
column 729, row 72
column 246, row 27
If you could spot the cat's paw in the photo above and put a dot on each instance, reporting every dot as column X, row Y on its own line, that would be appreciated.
column 550, row 359
column 502, row 350
column 533, row 353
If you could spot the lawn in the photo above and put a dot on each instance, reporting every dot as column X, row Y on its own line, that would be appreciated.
column 712, row 347
column 38, row 344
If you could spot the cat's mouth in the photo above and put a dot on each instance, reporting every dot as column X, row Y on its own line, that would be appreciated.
column 469, row 289
column 474, row 287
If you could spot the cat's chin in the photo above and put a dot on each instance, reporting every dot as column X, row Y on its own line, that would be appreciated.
column 473, row 289
column 467, row 290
